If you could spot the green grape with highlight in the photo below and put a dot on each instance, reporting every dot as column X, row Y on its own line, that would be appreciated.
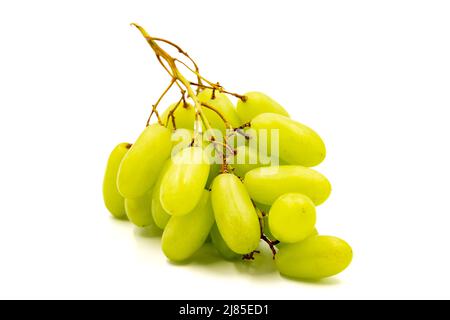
column 297, row 143
column 160, row 216
column 315, row 258
column 114, row 201
column 223, row 105
column 184, row 115
column 220, row 244
column 257, row 103
column 265, row 185
column 235, row 215
column 183, row 184
column 141, row 165
column 184, row 235
column 139, row 210
column 292, row 218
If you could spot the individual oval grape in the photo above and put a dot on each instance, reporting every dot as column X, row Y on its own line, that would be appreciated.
column 292, row 217
column 184, row 116
column 315, row 258
column 222, row 104
column 143, row 162
column 220, row 244
column 247, row 159
column 160, row 216
column 114, row 201
column 184, row 235
column 183, row 184
column 265, row 185
column 139, row 210
column 297, row 143
column 258, row 103
column 235, row 215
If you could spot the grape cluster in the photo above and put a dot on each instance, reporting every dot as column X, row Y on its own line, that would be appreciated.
column 181, row 177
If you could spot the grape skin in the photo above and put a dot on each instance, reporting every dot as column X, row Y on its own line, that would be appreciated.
column 184, row 235
column 139, row 210
column 258, row 103
column 292, row 218
column 184, row 116
column 235, row 215
column 183, row 184
column 160, row 216
column 223, row 104
column 265, row 185
column 220, row 244
column 298, row 144
column 114, row 201
column 141, row 165
column 315, row 258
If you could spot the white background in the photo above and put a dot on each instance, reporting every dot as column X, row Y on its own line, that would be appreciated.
column 372, row 77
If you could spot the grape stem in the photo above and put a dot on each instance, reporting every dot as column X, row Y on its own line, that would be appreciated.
column 154, row 111
column 271, row 244
column 250, row 256
column 220, row 89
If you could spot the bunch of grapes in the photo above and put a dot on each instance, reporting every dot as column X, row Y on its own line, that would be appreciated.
column 201, row 173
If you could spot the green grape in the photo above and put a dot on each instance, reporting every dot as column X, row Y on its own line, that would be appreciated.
column 315, row 258
column 183, row 184
column 142, row 163
column 298, row 144
column 184, row 116
column 222, row 104
column 256, row 104
column 235, row 215
column 265, row 185
column 184, row 235
column 247, row 159
column 292, row 217
column 114, row 201
column 139, row 210
column 220, row 244
column 160, row 216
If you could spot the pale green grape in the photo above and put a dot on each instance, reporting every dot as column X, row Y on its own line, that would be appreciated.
column 160, row 216
column 222, row 104
column 247, row 159
column 184, row 235
column 114, row 201
column 139, row 210
column 292, row 217
column 315, row 258
column 183, row 184
column 235, row 215
column 141, row 165
column 298, row 144
column 220, row 244
column 184, row 116
column 256, row 104
column 265, row 185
